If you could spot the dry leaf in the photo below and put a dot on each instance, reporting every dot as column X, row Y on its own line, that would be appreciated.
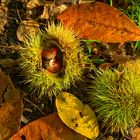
column 47, row 128
column 8, row 62
column 62, row 8
column 76, row 115
column 27, row 28
column 110, row 138
column 99, row 21
column 45, row 14
column 10, row 107
column 51, row 10
column 105, row 66
column 85, row 1
column 3, row 17
column 35, row 3
column 60, row 2
column 136, row 134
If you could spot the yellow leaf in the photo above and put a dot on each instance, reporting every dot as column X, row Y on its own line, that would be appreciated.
column 76, row 115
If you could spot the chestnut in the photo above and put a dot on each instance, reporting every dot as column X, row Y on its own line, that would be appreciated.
column 52, row 59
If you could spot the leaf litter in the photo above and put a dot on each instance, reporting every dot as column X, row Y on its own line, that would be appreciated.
column 90, row 21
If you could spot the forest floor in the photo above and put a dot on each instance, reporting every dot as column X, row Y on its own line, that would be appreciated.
column 20, row 16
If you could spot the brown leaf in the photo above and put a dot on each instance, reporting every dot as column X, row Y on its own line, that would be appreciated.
column 10, row 107
column 27, row 28
column 47, row 128
column 3, row 17
column 51, row 10
column 35, row 3
column 108, row 138
column 8, row 62
column 99, row 21
column 105, row 66
column 136, row 134
column 85, row 1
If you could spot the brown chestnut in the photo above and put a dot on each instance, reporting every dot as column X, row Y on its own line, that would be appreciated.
column 52, row 59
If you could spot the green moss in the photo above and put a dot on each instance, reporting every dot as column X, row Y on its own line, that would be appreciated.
column 116, row 98
column 41, row 80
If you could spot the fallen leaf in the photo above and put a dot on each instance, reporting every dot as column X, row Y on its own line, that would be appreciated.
column 62, row 8
column 10, row 107
column 68, row 2
column 105, row 66
column 51, row 10
column 45, row 14
column 47, row 128
column 109, row 138
column 8, row 62
column 85, row 1
column 136, row 134
column 99, row 21
column 35, row 3
column 76, row 115
column 3, row 17
column 27, row 28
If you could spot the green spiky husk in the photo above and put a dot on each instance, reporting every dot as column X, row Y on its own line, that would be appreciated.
column 42, row 81
column 116, row 98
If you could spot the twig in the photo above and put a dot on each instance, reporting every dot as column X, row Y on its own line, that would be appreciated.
column 127, row 137
column 24, row 120
column 10, row 47
column 34, row 105
column 19, row 15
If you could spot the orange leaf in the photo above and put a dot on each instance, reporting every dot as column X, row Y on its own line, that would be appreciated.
column 99, row 21
column 10, row 107
column 135, row 133
column 47, row 128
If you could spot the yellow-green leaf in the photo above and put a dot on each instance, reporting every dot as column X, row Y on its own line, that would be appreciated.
column 76, row 115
